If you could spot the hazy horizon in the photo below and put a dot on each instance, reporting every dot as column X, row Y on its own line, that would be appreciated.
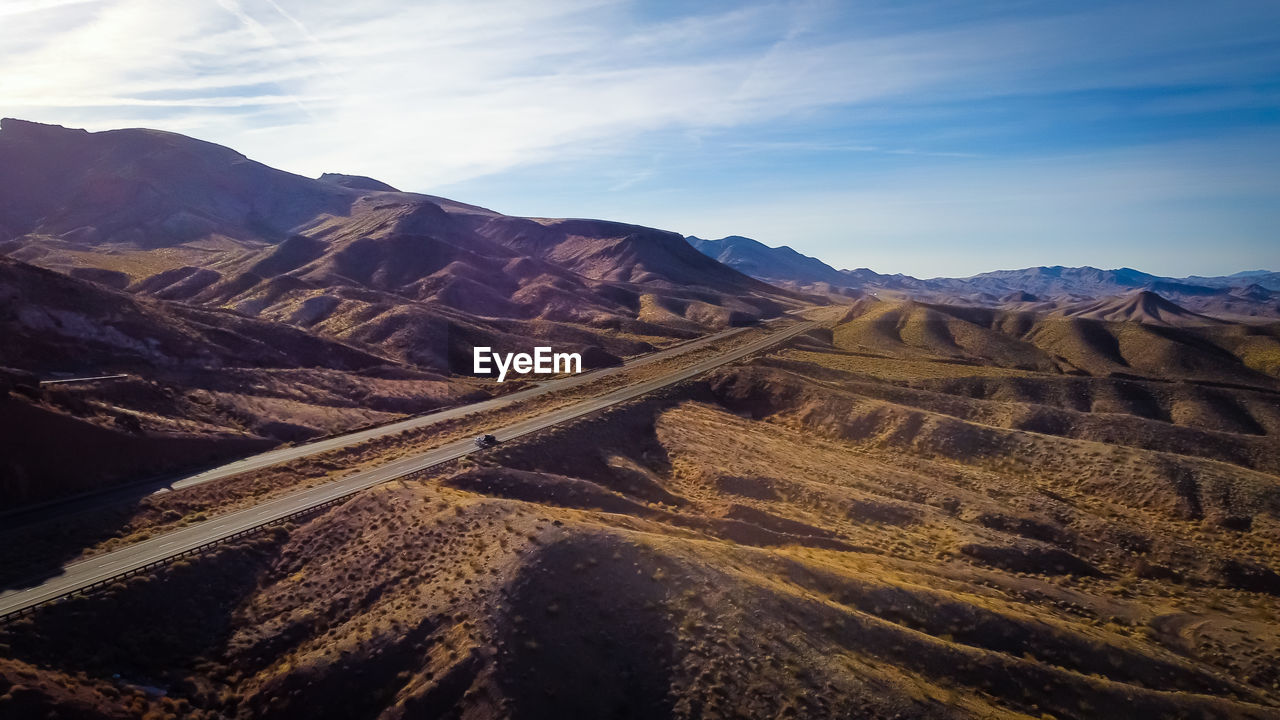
column 935, row 139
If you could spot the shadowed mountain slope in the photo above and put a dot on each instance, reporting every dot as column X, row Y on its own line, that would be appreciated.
column 53, row 323
column 349, row 257
column 781, row 264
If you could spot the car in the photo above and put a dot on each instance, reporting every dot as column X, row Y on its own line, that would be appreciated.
column 486, row 441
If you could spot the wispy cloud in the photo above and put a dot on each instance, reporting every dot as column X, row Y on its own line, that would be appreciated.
column 473, row 88
column 836, row 147
column 446, row 94
column 20, row 7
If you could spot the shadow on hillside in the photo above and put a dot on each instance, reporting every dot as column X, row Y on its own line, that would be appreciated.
column 148, row 628
column 33, row 551
column 588, row 635
column 36, row 541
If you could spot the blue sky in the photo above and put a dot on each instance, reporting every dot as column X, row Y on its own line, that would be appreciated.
column 931, row 138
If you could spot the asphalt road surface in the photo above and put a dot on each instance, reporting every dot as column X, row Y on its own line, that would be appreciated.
column 133, row 492
column 84, row 573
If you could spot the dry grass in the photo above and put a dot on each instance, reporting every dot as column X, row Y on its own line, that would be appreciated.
column 759, row 543
column 881, row 367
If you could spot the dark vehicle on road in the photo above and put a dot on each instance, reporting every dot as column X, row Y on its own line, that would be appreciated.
column 486, row 441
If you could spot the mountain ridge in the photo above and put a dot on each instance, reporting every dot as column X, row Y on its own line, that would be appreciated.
column 1247, row 294
column 349, row 257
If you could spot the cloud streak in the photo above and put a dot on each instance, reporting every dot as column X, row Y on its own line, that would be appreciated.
column 452, row 94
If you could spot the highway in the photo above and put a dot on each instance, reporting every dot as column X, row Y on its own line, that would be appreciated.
column 84, row 573
column 136, row 491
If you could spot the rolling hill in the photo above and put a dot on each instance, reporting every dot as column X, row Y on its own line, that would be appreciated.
column 1043, row 493
column 1141, row 336
column 1143, row 306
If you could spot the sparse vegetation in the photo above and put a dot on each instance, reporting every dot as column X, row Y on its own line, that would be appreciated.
column 792, row 537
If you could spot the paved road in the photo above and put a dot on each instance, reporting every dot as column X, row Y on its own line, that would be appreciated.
column 136, row 491
column 87, row 572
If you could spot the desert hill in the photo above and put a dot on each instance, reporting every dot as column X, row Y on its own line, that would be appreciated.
column 199, row 385
column 57, row 324
column 250, row 306
column 147, row 189
column 348, row 257
column 1139, row 336
column 1144, row 306
column 984, row 502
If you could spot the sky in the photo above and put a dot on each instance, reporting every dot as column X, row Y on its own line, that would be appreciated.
column 933, row 138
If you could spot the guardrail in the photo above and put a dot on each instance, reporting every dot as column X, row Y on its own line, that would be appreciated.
column 62, row 381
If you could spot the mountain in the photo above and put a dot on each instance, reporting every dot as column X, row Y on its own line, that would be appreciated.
column 1246, row 295
column 1057, row 280
column 418, row 278
column 356, row 182
column 148, row 189
column 54, row 323
column 781, row 264
column 1066, row 288
column 998, row 504
column 1264, row 278
column 190, row 385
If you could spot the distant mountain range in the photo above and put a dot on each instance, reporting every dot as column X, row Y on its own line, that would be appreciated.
column 1249, row 294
